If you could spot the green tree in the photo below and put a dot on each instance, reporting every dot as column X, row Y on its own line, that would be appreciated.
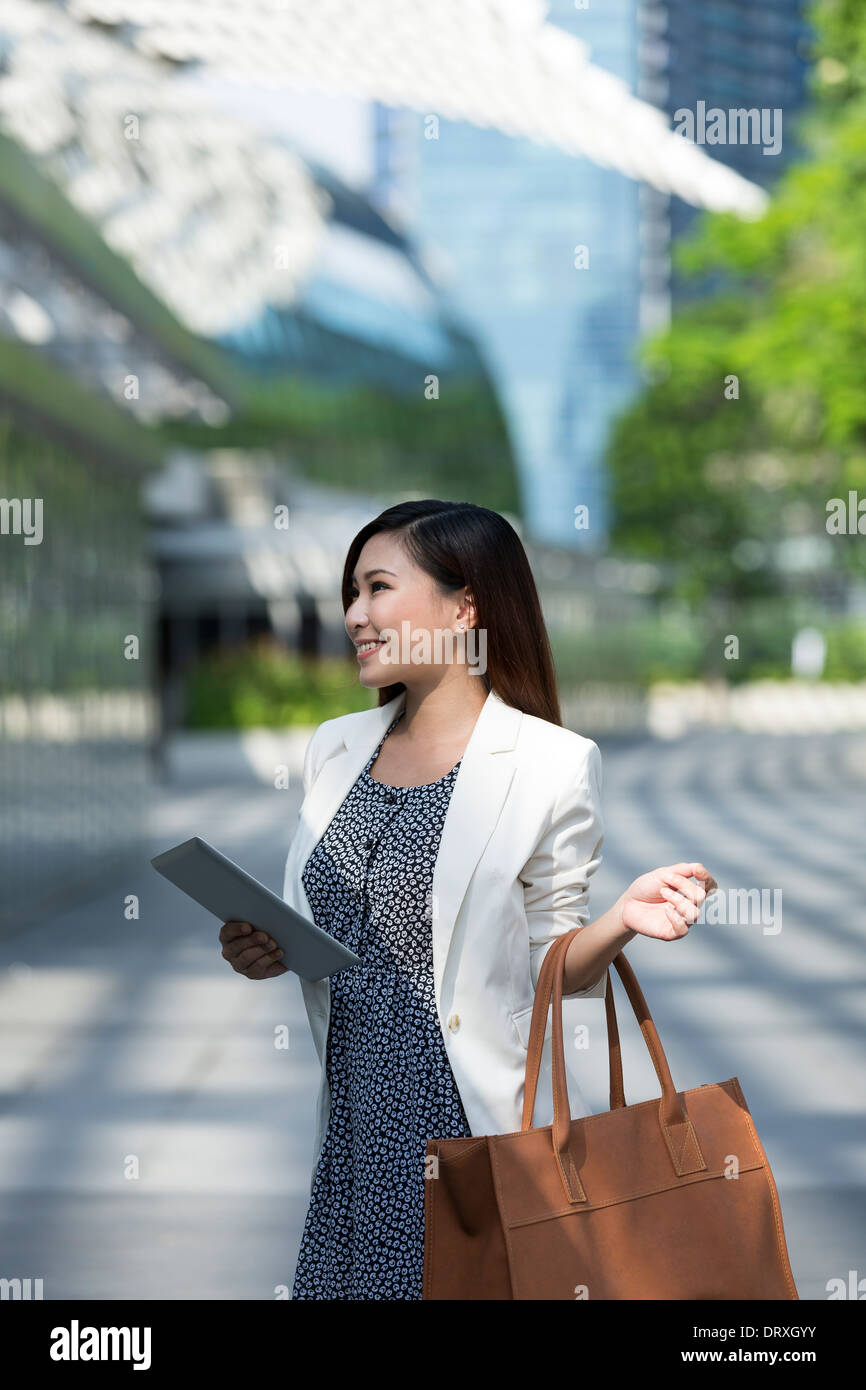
column 722, row 484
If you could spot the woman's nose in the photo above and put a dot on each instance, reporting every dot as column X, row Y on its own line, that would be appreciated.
column 356, row 618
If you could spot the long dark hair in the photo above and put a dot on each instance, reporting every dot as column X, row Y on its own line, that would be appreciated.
column 459, row 543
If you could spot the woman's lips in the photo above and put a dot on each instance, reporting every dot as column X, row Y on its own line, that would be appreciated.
column 362, row 656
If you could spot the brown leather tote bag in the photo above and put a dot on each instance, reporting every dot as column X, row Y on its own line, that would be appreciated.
column 664, row 1199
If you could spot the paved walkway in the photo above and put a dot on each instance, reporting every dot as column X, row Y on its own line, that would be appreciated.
column 154, row 1143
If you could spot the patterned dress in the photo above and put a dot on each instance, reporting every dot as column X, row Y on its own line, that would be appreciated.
column 369, row 883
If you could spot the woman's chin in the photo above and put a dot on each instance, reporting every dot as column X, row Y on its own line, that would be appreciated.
column 373, row 679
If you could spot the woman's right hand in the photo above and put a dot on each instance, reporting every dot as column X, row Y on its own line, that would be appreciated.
column 250, row 952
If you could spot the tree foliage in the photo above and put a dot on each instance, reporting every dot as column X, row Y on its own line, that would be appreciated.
column 728, row 482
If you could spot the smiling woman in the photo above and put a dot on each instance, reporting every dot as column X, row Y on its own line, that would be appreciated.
column 447, row 837
column 427, row 581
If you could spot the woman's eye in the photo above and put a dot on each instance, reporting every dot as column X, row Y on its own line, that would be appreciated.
column 353, row 593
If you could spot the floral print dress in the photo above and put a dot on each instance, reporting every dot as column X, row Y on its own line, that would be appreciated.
column 369, row 883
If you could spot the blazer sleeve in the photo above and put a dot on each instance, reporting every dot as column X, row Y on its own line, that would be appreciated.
column 556, row 877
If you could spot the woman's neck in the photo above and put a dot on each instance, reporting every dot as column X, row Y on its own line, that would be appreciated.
column 446, row 711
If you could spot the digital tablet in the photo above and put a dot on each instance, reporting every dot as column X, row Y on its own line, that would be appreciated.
column 231, row 894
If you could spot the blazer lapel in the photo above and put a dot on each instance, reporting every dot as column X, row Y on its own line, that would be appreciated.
column 343, row 766
column 340, row 769
column 480, row 789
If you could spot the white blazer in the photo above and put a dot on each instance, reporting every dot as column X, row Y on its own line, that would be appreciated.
column 521, row 838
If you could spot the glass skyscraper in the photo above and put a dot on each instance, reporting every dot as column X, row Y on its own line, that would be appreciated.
column 542, row 250
column 728, row 56
column 558, row 265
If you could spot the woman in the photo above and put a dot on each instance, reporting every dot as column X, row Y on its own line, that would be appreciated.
column 447, row 837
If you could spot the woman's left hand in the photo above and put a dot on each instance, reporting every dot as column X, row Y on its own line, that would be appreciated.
column 665, row 902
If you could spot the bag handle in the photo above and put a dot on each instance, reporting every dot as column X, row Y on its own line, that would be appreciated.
column 543, row 990
column 677, row 1129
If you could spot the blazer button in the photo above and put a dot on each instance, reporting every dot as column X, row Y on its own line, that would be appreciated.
column 454, row 1022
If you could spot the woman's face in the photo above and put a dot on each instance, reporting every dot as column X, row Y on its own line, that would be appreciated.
column 398, row 606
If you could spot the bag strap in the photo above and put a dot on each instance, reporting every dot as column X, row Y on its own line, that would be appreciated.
column 543, row 992
column 677, row 1129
